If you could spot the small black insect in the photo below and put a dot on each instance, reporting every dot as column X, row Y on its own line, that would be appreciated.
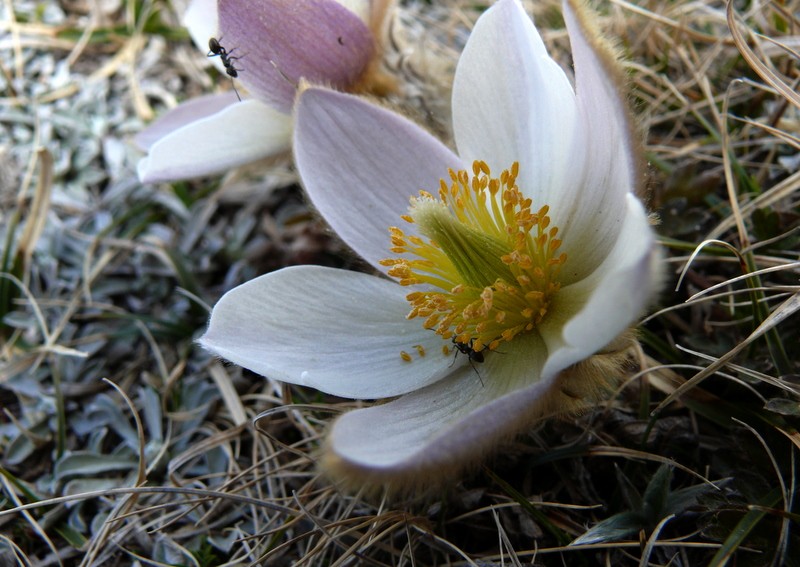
column 215, row 49
column 472, row 354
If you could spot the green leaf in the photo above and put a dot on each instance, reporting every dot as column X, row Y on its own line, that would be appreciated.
column 783, row 406
column 680, row 500
column 617, row 527
column 85, row 464
column 73, row 537
column 656, row 496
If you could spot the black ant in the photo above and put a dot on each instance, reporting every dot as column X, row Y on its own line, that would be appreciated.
column 215, row 48
column 472, row 354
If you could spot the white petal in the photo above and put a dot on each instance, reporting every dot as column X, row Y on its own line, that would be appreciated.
column 512, row 102
column 585, row 316
column 202, row 22
column 185, row 113
column 360, row 164
column 239, row 134
column 446, row 425
column 596, row 200
column 361, row 8
column 338, row 331
column 372, row 12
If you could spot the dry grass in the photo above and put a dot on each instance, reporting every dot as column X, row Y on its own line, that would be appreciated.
column 122, row 442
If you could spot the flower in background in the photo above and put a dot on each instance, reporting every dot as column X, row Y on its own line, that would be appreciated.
column 524, row 261
column 275, row 43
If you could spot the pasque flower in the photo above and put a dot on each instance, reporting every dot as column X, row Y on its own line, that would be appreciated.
column 513, row 275
column 273, row 44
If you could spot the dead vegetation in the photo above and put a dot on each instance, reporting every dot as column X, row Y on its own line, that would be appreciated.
column 123, row 443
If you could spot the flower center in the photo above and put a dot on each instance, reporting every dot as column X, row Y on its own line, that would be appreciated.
column 489, row 263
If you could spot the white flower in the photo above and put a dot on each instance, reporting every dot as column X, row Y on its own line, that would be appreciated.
column 537, row 286
column 272, row 44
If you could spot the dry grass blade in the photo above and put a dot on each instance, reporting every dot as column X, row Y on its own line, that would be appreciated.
column 783, row 541
column 123, row 507
column 784, row 311
column 756, row 64
column 141, row 472
column 785, row 137
column 794, row 437
column 668, row 22
column 730, row 183
column 697, row 251
column 652, row 540
column 447, row 545
column 40, row 205
column 744, row 371
column 781, row 191
column 634, row 454
column 37, row 310
column 18, row 555
column 504, row 543
column 791, row 266
column 11, row 494
column 229, row 395
column 206, row 494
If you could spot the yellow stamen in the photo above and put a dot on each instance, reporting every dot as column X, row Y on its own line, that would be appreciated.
column 493, row 261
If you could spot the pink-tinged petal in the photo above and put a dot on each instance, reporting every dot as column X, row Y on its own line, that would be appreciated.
column 611, row 157
column 278, row 42
column 183, row 114
column 512, row 102
column 584, row 317
column 239, row 134
column 453, row 422
column 360, row 164
column 201, row 20
column 337, row 331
